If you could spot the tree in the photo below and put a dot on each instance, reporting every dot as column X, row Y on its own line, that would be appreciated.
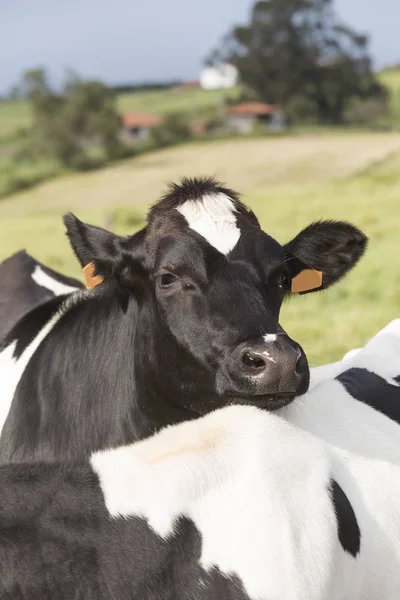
column 298, row 48
column 66, row 125
column 173, row 129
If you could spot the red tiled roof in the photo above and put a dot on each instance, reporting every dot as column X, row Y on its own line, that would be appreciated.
column 191, row 83
column 134, row 119
column 252, row 108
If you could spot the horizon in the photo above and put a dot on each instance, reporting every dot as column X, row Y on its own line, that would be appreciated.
column 109, row 47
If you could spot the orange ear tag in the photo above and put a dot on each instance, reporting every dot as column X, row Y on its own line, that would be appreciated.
column 91, row 280
column 306, row 280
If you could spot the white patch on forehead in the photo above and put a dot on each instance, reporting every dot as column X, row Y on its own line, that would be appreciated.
column 213, row 217
column 269, row 337
column 44, row 280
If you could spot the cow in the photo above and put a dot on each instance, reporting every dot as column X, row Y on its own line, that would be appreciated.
column 26, row 283
column 185, row 321
column 236, row 505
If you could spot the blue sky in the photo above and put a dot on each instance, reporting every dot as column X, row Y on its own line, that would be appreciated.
column 128, row 40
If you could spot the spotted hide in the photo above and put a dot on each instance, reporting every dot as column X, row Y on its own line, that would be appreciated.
column 237, row 505
column 25, row 284
column 184, row 321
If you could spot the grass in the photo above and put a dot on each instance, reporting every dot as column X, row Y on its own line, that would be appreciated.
column 391, row 79
column 15, row 114
column 194, row 102
column 289, row 182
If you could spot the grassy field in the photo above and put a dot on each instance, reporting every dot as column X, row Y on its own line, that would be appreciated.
column 391, row 79
column 193, row 101
column 16, row 114
column 288, row 182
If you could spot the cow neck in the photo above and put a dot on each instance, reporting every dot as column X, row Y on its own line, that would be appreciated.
column 29, row 326
column 170, row 383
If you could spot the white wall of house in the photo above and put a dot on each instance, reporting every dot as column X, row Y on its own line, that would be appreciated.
column 219, row 77
column 245, row 124
column 141, row 134
column 240, row 123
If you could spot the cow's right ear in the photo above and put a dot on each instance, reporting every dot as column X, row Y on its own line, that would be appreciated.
column 108, row 255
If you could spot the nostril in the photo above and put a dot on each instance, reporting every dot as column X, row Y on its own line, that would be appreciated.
column 301, row 364
column 253, row 360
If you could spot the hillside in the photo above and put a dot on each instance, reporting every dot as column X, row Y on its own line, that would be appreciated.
column 288, row 182
column 391, row 79
column 16, row 114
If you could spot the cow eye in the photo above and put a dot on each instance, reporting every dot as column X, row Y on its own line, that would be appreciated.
column 167, row 279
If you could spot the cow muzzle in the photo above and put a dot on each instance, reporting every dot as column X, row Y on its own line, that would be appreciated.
column 269, row 372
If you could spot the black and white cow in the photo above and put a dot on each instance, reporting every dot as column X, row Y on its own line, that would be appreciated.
column 185, row 322
column 354, row 404
column 238, row 505
column 26, row 283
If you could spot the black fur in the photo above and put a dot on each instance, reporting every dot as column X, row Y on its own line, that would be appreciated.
column 19, row 293
column 330, row 247
column 373, row 390
column 26, row 328
column 135, row 354
column 348, row 529
column 57, row 541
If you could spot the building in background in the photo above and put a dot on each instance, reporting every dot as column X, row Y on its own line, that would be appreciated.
column 223, row 76
column 244, row 118
column 137, row 126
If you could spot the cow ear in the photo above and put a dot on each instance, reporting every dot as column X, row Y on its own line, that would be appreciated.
column 101, row 253
column 323, row 253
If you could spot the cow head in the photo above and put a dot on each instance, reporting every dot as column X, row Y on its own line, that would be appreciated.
column 208, row 284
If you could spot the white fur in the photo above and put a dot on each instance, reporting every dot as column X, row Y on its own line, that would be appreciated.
column 44, row 280
column 269, row 337
column 255, row 486
column 380, row 355
column 213, row 217
column 351, row 353
column 256, row 489
column 11, row 369
column 330, row 412
column 228, row 474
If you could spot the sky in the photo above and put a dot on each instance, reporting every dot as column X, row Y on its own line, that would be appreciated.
column 122, row 41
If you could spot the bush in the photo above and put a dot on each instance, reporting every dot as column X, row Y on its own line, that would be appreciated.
column 367, row 112
column 123, row 151
column 302, row 111
column 83, row 115
column 86, row 162
column 173, row 130
column 23, row 179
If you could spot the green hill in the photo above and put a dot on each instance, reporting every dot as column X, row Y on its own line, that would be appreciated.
column 391, row 79
column 16, row 114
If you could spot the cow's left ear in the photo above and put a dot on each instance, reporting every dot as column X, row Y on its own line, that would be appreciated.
column 101, row 253
column 323, row 253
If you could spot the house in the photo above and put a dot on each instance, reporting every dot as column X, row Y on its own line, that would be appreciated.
column 243, row 118
column 202, row 127
column 222, row 76
column 137, row 126
column 190, row 84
